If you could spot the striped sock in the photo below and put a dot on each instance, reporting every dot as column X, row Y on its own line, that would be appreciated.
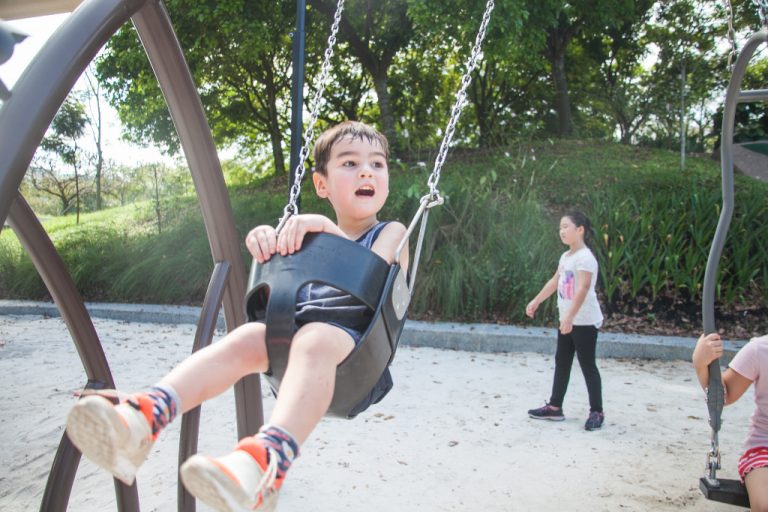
column 283, row 444
column 159, row 405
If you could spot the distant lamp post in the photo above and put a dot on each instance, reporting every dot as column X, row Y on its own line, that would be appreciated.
column 9, row 37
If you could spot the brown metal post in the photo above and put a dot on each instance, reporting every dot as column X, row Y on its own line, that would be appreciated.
column 176, row 82
column 206, row 326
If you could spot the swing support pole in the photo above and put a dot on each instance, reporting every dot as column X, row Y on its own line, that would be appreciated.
column 297, row 87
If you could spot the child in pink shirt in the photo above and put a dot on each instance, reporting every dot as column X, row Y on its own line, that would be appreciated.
column 746, row 368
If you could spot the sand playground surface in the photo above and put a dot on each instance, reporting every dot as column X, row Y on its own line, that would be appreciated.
column 452, row 435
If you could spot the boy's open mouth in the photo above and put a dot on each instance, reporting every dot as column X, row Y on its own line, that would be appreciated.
column 365, row 190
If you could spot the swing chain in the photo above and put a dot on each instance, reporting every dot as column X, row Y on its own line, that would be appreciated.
column 292, row 208
column 461, row 99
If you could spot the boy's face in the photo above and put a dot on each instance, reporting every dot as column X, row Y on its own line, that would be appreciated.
column 357, row 180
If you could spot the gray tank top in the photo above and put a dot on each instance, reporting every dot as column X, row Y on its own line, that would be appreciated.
column 318, row 302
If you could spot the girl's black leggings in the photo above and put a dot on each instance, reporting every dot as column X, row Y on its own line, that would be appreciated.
column 582, row 341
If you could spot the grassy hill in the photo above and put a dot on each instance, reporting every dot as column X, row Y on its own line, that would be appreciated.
column 489, row 248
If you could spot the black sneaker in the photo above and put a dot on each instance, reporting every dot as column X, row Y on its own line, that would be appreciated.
column 547, row 412
column 595, row 421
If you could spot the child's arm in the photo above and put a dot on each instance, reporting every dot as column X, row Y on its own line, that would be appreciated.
column 708, row 348
column 387, row 242
column 584, row 280
column 548, row 289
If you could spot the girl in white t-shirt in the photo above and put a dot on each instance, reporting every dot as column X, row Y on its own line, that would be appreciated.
column 749, row 366
column 580, row 318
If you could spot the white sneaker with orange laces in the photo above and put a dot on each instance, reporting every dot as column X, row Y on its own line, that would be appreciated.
column 233, row 483
column 114, row 437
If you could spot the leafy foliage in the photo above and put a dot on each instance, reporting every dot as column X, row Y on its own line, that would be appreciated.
column 489, row 249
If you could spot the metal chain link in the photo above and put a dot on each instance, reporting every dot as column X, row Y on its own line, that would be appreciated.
column 731, row 36
column 291, row 208
column 762, row 10
column 461, row 99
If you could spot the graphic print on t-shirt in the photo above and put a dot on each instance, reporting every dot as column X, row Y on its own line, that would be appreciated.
column 567, row 284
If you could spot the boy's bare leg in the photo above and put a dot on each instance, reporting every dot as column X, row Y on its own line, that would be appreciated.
column 252, row 474
column 118, row 438
column 214, row 369
column 757, row 488
column 307, row 386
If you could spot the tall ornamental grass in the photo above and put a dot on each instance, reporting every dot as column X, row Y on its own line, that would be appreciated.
column 490, row 248
column 653, row 247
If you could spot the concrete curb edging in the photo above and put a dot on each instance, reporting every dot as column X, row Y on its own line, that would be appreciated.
column 489, row 338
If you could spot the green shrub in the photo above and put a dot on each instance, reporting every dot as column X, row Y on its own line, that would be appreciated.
column 488, row 249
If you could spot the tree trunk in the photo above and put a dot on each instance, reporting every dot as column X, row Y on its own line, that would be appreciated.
column 275, row 135
column 99, row 157
column 276, row 141
column 375, row 62
column 158, row 212
column 682, row 117
column 381, row 84
column 77, row 196
column 557, row 44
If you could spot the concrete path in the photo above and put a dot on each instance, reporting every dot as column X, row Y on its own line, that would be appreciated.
column 470, row 337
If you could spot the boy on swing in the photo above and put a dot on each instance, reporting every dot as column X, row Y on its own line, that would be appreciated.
column 351, row 172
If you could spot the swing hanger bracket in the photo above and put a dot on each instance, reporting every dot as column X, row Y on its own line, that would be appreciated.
column 713, row 461
column 432, row 199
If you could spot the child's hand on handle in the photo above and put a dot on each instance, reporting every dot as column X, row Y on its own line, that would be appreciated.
column 531, row 308
column 262, row 242
column 566, row 325
column 292, row 234
column 708, row 348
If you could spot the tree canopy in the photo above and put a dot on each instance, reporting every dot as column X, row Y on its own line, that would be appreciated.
column 630, row 70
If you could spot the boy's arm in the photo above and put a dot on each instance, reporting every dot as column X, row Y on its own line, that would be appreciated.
column 387, row 242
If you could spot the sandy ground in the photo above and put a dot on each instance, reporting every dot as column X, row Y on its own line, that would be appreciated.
column 452, row 435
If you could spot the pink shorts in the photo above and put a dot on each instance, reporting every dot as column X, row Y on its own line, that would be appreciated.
column 752, row 459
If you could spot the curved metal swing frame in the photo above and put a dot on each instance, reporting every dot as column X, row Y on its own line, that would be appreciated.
column 724, row 490
column 24, row 119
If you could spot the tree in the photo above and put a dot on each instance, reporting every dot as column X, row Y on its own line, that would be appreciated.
column 688, row 69
column 561, row 24
column 505, row 96
column 93, row 96
column 615, row 82
column 67, row 128
column 375, row 33
column 239, row 52
column 44, row 177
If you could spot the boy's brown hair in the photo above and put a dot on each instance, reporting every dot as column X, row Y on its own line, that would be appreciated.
column 352, row 129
